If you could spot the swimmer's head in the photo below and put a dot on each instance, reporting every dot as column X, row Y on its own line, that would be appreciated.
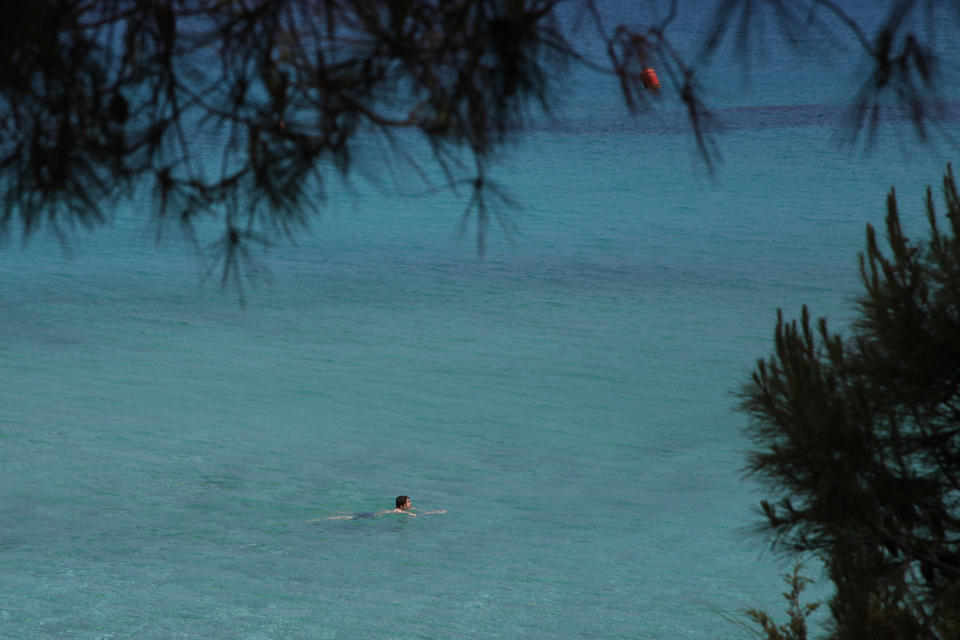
column 403, row 502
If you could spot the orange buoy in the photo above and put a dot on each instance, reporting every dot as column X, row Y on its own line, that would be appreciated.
column 649, row 78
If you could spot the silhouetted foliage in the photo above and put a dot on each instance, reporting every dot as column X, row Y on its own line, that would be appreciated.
column 859, row 438
column 797, row 613
column 238, row 110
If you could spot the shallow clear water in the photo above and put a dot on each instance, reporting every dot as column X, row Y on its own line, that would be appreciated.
column 568, row 398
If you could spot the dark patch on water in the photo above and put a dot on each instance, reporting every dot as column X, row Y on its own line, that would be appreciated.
column 748, row 118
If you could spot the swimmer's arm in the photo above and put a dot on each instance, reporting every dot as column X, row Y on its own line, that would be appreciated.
column 337, row 517
column 424, row 513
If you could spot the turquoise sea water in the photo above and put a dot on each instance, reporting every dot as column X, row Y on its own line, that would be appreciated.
column 568, row 398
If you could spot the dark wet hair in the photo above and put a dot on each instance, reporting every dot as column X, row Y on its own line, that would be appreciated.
column 401, row 500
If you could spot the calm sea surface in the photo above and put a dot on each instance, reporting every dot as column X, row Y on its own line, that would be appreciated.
column 568, row 398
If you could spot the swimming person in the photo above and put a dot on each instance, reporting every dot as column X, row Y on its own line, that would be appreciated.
column 403, row 506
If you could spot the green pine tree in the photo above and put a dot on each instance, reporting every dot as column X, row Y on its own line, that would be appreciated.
column 858, row 438
column 242, row 112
